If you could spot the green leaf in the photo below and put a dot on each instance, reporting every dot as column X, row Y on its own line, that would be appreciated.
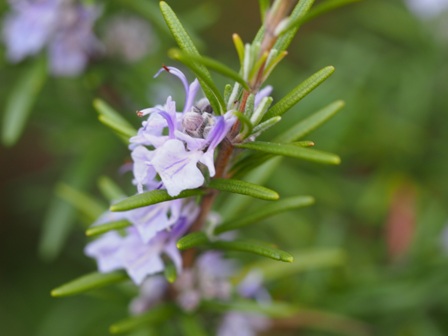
column 264, row 6
column 60, row 216
column 297, row 14
column 110, row 189
column 325, row 7
column 253, row 247
column 239, row 46
column 191, row 325
column 299, row 92
column 311, row 123
column 186, row 44
column 207, row 84
column 156, row 315
column 111, row 118
column 267, row 211
column 211, row 64
column 170, row 272
column 80, row 200
column 292, row 150
column 274, row 309
column 247, row 125
column 103, row 228
column 88, row 282
column 244, row 188
column 192, row 240
column 304, row 260
column 21, row 100
column 151, row 197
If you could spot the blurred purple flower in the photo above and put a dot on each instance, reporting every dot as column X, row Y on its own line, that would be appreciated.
column 129, row 38
column 242, row 324
column 209, row 279
column 63, row 26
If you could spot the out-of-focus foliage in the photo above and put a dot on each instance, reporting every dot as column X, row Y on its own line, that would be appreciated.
column 385, row 206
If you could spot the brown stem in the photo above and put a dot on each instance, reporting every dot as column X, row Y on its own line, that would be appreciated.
column 226, row 151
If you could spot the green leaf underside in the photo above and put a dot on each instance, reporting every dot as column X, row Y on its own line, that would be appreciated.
column 299, row 92
column 295, row 133
column 103, row 228
column 192, row 240
column 21, row 100
column 88, row 282
column 156, row 315
column 292, row 150
column 197, row 239
column 265, row 212
column 213, row 65
column 274, row 309
column 186, row 44
column 244, row 188
column 151, row 197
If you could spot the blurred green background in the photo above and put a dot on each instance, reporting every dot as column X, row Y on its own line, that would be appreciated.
column 385, row 206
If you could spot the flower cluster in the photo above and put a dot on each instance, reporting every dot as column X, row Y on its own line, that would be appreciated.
column 172, row 150
column 209, row 279
column 64, row 27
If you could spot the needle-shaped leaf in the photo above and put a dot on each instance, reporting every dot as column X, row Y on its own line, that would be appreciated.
column 325, row 7
column 304, row 260
column 193, row 239
column 309, row 124
column 21, row 100
column 110, row 189
column 112, row 119
column 103, row 228
column 265, row 212
column 210, row 64
column 264, row 6
column 274, row 309
column 244, row 188
column 292, row 150
column 80, row 200
column 186, row 44
column 156, row 315
column 151, row 197
column 299, row 92
column 88, row 282
column 296, row 16
column 239, row 46
column 170, row 272
column 261, row 249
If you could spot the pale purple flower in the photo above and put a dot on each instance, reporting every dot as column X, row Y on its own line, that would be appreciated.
column 140, row 251
column 242, row 324
column 181, row 144
column 64, row 27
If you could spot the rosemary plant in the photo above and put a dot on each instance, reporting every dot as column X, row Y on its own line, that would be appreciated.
column 170, row 238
